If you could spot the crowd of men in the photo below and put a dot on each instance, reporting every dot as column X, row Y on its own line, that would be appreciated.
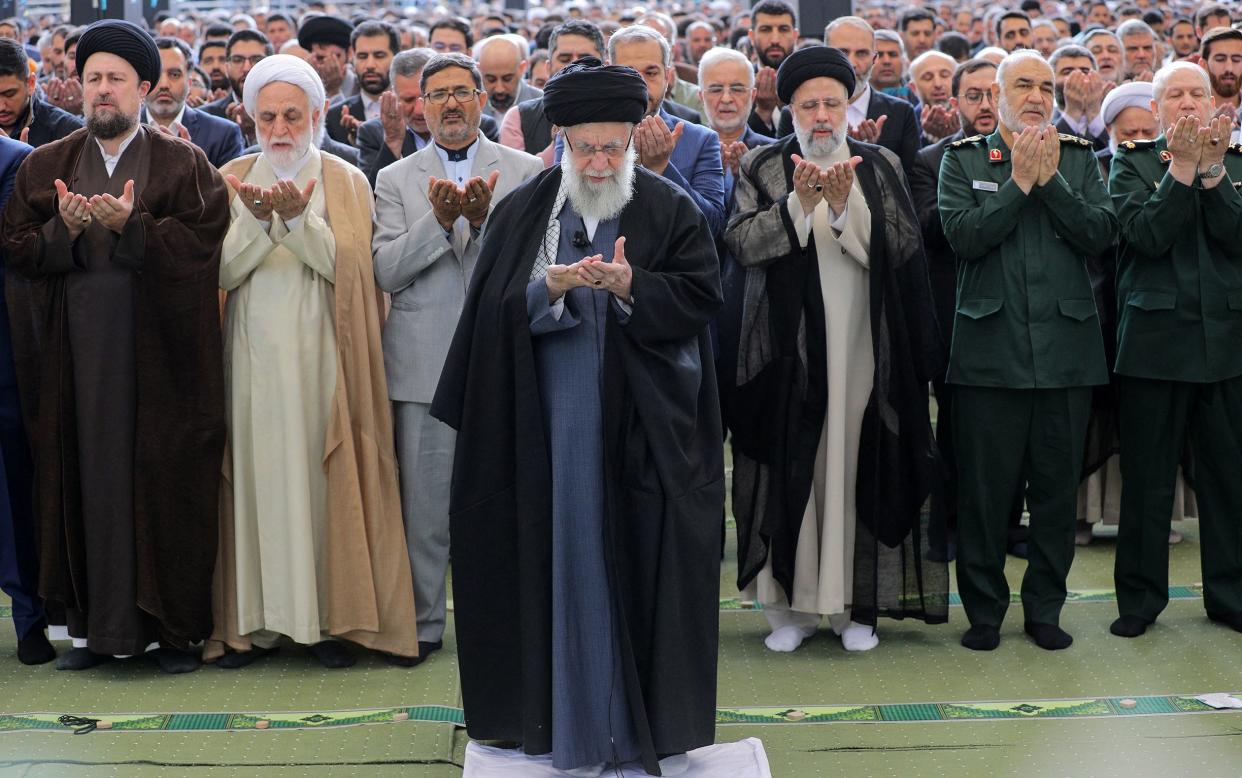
column 299, row 307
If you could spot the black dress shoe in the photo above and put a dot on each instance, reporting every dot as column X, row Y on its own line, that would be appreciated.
column 174, row 661
column 35, row 648
column 424, row 649
column 232, row 660
column 332, row 654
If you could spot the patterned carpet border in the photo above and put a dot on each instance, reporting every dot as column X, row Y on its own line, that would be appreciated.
column 1101, row 707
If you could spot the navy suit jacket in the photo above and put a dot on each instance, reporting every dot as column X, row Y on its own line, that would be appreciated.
column 695, row 167
column 333, row 120
column 12, row 154
column 220, row 139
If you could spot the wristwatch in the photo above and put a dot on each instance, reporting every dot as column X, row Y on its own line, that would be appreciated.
column 1212, row 172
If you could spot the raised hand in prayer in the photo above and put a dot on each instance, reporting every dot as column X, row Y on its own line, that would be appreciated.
column 614, row 276
column 868, row 130
column 393, row 120
column 731, row 155
column 65, row 94
column 75, row 210
column 1186, row 146
column 808, row 183
column 24, row 136
column 178, row 130
column 237, row 112
column 561, row 278
column 256, row 199
column 113, row 212
column 1050, row 159
column 351, row 123
column 655, row 143
column 445, row 200
column 288, row 201
column 765, row 94
column 939, row 122
column 838, row 181
column 476, row 198
column 1025, row 157
column 1214, row 140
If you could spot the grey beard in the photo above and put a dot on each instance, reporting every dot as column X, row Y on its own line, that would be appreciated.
column 111, row 125
column 1012, row 120
column 819, row 148
column 154, row 109
column 599, row 201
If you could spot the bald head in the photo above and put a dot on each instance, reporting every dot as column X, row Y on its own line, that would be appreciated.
column 932, row 75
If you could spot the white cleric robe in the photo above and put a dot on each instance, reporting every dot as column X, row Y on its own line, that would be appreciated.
column 280, row 362
column 824, row 559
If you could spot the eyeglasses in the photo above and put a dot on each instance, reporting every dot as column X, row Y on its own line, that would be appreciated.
column 456, row 48
column 441, row 96
column 611, row 150
column 976, row 96
column 831, row 103
column 239, row 60
column 736, row 90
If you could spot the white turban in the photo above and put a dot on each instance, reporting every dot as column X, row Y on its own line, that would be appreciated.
column 1136, row 94
column 291, row 70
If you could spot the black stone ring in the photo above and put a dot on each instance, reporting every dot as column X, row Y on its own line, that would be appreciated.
column 819, row 187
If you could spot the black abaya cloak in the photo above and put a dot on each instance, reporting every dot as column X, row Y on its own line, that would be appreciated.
column 664, row 490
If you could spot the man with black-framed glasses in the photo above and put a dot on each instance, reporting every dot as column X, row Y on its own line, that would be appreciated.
column 431, row 210
column 976, row 111
column 245, row 49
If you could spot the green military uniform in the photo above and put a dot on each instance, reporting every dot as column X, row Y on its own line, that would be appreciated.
column 1179, row 362
column 1026, row 349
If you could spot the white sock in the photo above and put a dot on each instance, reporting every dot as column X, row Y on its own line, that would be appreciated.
column 590, row 771
column 859, row 637
column 786, row 639
column 675, row 764
column 79, row 642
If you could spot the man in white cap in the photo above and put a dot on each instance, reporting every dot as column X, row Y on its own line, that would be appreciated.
column 1127, row 115
column 311, row 542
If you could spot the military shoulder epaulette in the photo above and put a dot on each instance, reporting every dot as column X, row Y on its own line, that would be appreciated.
column 972, row 140
column 1132, row 145
column 1073, row 139
column 1236, row 148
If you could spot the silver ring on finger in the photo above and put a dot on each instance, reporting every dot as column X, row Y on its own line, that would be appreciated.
column 472, row 199
column 258, row 202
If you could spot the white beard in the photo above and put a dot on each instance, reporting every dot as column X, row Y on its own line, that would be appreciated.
column 284, row 160
column 738, row 121
column 1013, row 120
column 599, row 201
column 818, row 148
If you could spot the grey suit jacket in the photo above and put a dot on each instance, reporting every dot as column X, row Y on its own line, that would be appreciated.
column 426, row 271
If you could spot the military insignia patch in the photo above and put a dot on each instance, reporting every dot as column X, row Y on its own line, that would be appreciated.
column 995, row 155
column 1166, row 156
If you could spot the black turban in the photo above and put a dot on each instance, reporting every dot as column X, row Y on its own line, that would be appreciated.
column 813, row 62
column 588, row 91
column 124, row 39
column 324, row 29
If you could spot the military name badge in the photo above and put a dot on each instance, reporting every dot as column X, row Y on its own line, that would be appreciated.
column 995, row 155
column 985, row 186
column 1166, row 155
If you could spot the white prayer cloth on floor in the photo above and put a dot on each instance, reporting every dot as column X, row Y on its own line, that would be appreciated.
column 743, row 759
column 1220, row 700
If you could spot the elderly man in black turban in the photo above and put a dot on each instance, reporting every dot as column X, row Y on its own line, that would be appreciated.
column 588, row 482
column 833, row 452
column 120, row 227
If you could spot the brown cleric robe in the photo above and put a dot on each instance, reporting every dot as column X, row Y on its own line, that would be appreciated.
column 128, row 374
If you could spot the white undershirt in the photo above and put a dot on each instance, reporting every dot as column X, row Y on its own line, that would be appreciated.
column 110, row 160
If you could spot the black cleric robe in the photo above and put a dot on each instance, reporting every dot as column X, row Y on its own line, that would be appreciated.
column 781, row 389
column 127, row 377
column 664, row 477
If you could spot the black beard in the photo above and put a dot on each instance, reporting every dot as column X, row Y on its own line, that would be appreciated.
column 763, row 59
column 236, row 86
column 219, row 83
column 111, row 125
column 383, row 86
column 501, row 102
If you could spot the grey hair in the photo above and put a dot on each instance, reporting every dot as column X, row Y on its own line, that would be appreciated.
column 1021, row 55
column 1070, row 50
column 1132, row 27
column 1098, row 32
column 891, row 37
column 444, row 62
column 409, row 63
column 1162, row 77
column 718, row 54
column 856, row 22
column 639, row 33
column 664, row 19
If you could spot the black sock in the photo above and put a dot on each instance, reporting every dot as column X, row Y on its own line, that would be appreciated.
column 35, row 648
column 80, row 659
column 1049, row 637
column 174, row 661
column 331, row 654
column 1231, row 620
column 236, row 659
column 981, row 637
column 1129, row 626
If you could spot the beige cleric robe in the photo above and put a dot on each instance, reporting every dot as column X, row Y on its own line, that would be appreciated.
column 365, row 593
column 824, row 559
